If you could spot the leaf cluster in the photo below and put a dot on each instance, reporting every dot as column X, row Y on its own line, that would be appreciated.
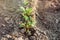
column 27, row 16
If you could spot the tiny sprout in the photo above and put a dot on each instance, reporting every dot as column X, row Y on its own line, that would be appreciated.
column 26, row 15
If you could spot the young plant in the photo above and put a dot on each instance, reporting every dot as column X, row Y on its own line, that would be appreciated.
column 27, row 15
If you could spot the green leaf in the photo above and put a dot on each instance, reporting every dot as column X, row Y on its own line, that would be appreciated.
column 26, row 17
column 29, row 23
column 27, row 26
column 22, row 25
column 25, row 12
column 22, row 9
column 30, row 18
column 29, row 11
column 33, row 23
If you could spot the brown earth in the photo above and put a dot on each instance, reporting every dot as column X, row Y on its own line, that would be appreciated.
column 47, row 16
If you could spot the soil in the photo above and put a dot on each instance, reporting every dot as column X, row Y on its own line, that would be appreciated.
column 47, row 26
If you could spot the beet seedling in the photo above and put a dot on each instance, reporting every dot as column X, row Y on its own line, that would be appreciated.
column 27, row 15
